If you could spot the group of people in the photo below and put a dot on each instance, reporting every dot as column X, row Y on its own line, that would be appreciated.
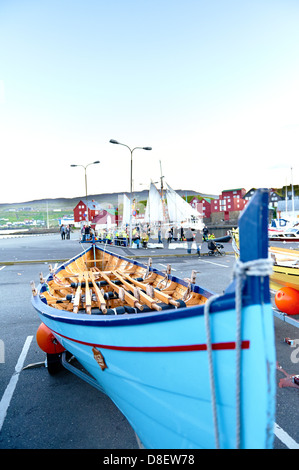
column 181, row 234
column 193, row 236
column 87, row 233
column 65, row 232
column 141, row 235
column 172, row 233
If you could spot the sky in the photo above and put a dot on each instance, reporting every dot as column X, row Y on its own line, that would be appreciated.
column 211, row 86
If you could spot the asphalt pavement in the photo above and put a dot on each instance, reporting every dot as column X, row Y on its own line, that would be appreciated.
column 51, row 248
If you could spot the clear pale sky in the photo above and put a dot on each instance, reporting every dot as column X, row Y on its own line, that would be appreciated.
column 211, row 86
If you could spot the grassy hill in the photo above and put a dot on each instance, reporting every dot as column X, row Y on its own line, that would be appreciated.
column 42, row 211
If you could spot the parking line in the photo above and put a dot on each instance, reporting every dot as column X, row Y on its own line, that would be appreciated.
column 164, row 266
column 7, row 396
column 285, row 438
column 212, row 262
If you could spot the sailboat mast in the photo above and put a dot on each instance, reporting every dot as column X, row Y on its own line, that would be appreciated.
column 165, row 211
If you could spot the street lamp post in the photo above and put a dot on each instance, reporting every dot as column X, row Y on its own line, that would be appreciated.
column 112, row 141
column 85, row 167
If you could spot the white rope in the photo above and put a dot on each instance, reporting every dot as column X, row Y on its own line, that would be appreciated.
column 260, row 267
column 256, row 267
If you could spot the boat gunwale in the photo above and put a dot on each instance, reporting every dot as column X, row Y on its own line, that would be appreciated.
column 225, row 301
column 221, row 304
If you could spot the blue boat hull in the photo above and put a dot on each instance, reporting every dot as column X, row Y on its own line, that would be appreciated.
column 155, row 367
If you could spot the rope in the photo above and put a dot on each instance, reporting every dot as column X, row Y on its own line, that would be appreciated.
column 260, row 267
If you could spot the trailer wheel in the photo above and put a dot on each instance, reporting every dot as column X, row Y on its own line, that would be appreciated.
column 54, row 363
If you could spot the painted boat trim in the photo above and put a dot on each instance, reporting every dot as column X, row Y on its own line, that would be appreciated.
column 192, row 347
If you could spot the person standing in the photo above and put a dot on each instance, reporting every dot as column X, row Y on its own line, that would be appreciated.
column 62, row 232
column 189, row 238
column 159, row 234
column 205, row 233
column 68, row 232
column 182, row 233
column 198, row 240
column 144, row 239
column 169, row 235
column 87, row 232
column 175, row 234
column 136, row 236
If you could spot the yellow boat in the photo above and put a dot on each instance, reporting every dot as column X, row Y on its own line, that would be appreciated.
column 285, row 267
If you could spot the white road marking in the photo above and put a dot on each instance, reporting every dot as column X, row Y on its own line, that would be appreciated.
column 285, row 438
column 164, row 266
column 7, row 396
column 216, row 264
column 2, row 267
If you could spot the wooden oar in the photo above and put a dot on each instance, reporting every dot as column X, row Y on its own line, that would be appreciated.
column 87, row 293
column 123, row 295
column 149, row 301
column 158, row 294
column 77, row 299
column 98, row 293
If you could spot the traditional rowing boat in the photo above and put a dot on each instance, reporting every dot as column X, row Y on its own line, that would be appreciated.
column 187, row 368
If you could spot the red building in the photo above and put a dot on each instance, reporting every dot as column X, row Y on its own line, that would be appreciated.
column 96, row 214
column 203, row 206
column 80, row 213
column 230, row 200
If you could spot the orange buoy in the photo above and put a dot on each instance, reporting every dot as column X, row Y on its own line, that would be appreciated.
column 47, row 341
column 287, row 300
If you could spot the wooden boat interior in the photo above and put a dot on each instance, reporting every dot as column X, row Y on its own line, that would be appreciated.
column 99, row 282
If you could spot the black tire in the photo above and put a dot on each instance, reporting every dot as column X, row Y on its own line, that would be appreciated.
column 54, row 363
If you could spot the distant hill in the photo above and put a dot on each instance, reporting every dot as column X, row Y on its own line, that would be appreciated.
column 103, row 199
